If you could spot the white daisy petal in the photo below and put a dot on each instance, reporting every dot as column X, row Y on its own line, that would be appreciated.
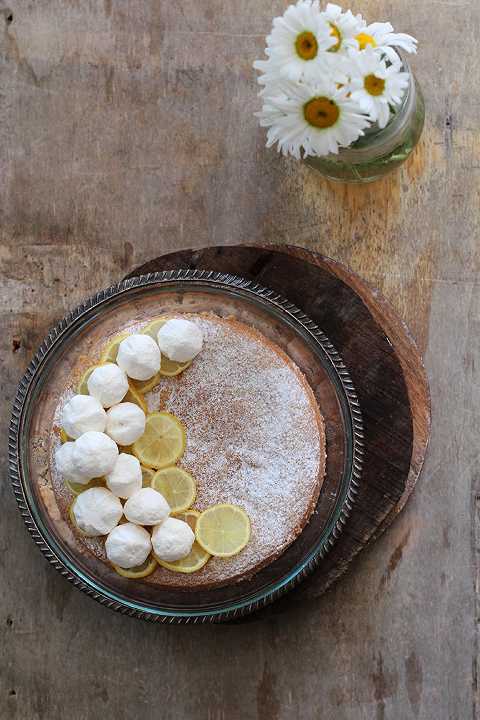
column 297, row 44
column 390, row 54
column 311, row 118
column 381, row 36
column 403, row 41
column 379, row 28
column 383, row 114
column 344, row 27
column 374, row 86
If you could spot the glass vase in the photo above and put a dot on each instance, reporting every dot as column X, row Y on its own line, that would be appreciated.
column 379, row 151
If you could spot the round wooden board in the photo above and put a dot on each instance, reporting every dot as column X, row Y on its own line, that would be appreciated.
column 384, row 364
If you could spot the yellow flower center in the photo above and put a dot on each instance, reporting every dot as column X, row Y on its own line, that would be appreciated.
column 321, row 112
column 306, row 45
column 365, row 39
column 374, row 85
column 335, row 32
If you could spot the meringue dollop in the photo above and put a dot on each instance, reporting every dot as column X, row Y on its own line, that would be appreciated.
column 180, row 340
column 128, row 545
column 172, row 539
column 108, row 383
column 139, row 356
column 125, row 423
column 146, row 507
column 125, row 478
column 97, row 511
column 94, row 454
column 66, row 466
column 81, row 414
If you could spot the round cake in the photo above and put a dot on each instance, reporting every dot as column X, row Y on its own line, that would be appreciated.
column 255, row 438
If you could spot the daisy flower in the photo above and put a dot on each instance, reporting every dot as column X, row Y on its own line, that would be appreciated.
column 381, row 37
column 374, row 86
column 297, row 45
column 344, row 26
column 334, row 67
column 311, row 119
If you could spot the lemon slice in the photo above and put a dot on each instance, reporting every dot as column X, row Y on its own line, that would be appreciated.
column 197, row 557
column 73, row 521
column 82, row 388
column 223, row 530
column 77, row 488
column 189, row 516
column 144, row 386
column 154, row 326
column 177, row 487
column 134, row 396
column 170, row 368
column 110, row 352
column 147, row 477
column 72, row 516
column 139, row 571
column 162, row 443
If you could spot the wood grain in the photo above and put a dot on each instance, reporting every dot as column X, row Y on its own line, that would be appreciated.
column 127, row 131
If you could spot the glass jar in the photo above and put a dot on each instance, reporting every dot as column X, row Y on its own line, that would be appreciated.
column 379, row 151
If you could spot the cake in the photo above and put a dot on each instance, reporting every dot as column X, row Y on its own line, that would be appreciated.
column 255, row 438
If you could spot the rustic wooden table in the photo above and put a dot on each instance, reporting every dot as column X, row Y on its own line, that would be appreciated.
column 127, row 130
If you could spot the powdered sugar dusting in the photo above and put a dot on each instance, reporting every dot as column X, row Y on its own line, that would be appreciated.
column 253, row 439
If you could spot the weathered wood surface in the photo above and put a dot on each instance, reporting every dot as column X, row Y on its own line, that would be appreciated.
column 126, row 130
column 384, row 365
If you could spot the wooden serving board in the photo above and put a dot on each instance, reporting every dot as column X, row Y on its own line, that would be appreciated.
column 384, row 364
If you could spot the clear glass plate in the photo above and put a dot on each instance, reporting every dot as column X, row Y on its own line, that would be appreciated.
column 139, row 299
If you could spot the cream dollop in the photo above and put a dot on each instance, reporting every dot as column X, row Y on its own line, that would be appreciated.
column 81, row 414
column 125, row 478
column 180, row 339
column 128, row 545
column 125, row 423
column 94, row 454
column 66, row 466
column 139, row 357
column 108, row 383
column 146, row 507
column 97, row 511
column 172, row 539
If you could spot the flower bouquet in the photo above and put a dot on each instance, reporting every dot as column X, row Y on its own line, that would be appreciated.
column 332, row 85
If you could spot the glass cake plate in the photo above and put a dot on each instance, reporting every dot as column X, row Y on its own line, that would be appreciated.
column 140, row 299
